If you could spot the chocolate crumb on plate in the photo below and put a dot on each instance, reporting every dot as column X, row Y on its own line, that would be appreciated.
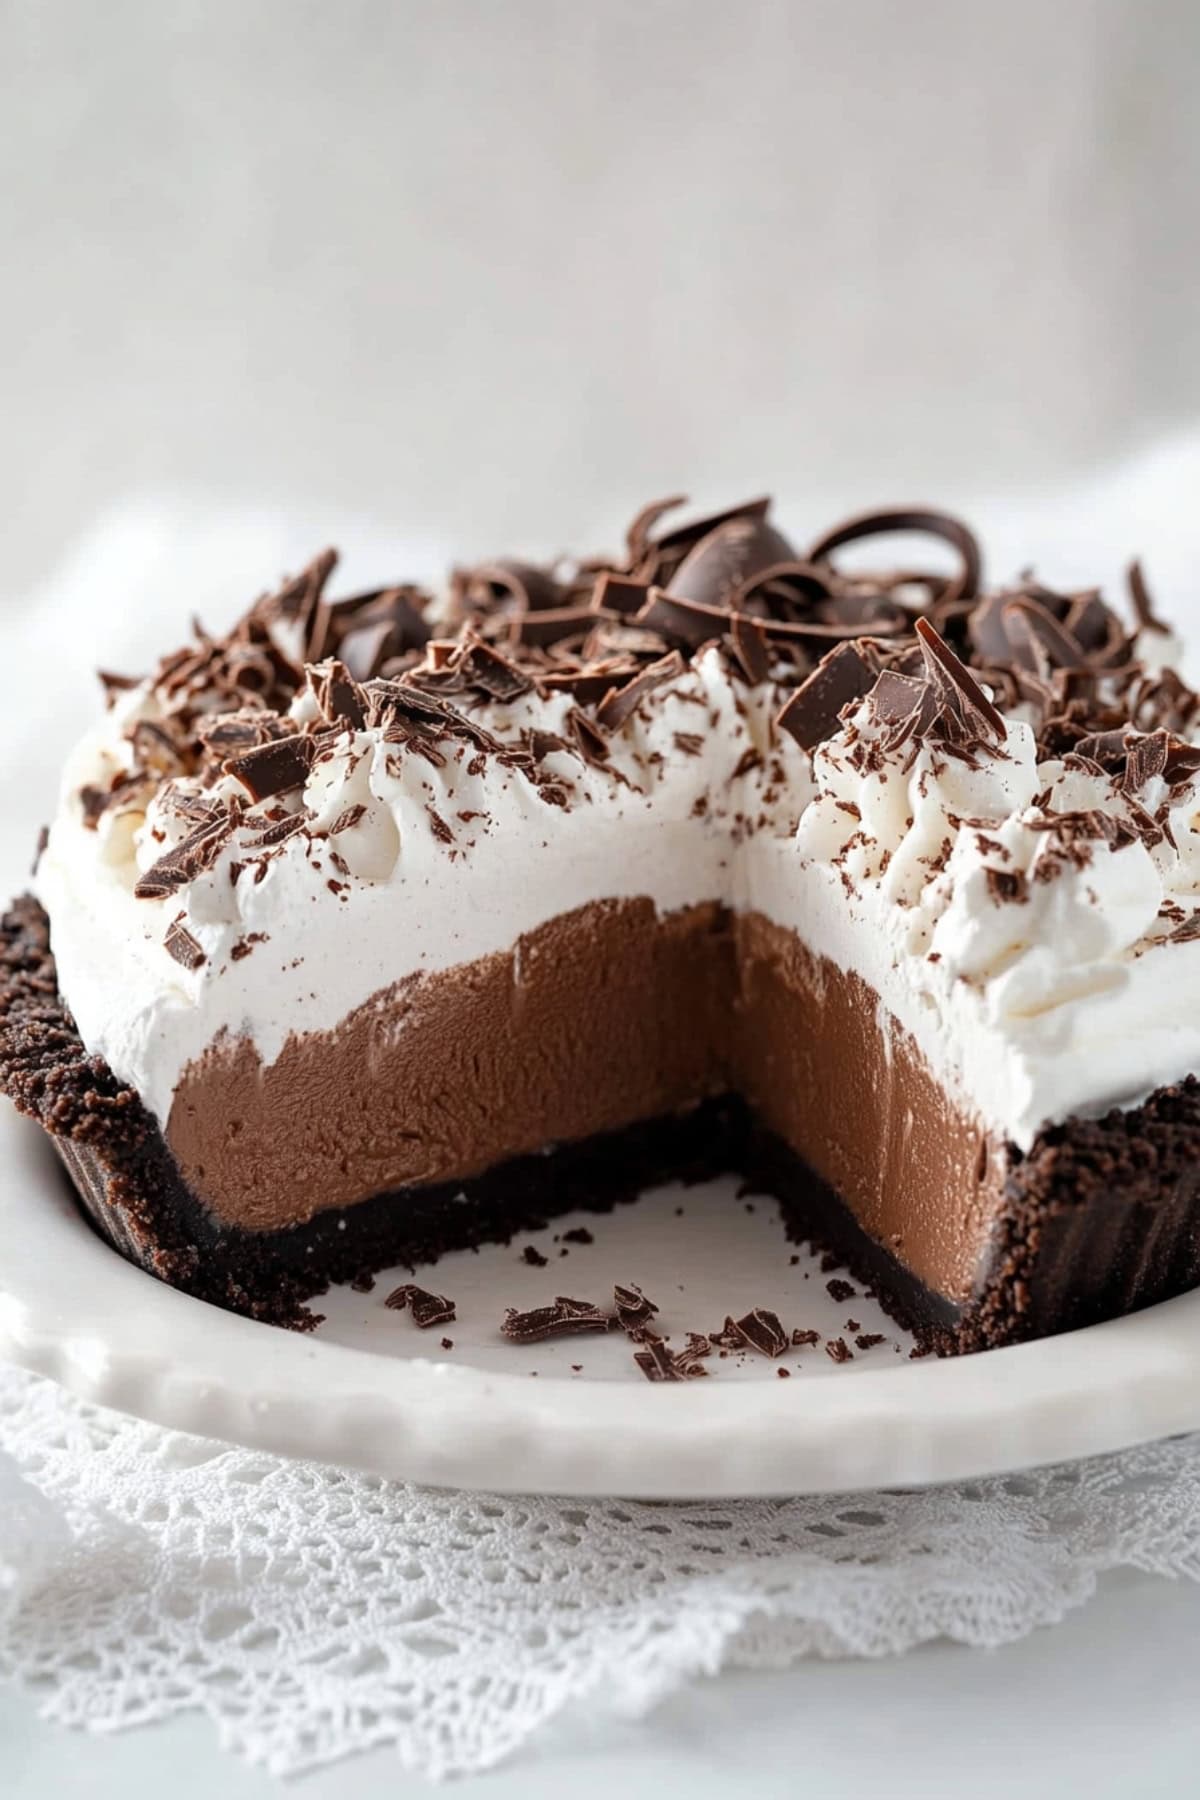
column 534, row 1257
column 427, row 1309
column 839, row 1350
column 805, row 1335
column 578, row 1234
column 841, row 1290
column 867, row 1340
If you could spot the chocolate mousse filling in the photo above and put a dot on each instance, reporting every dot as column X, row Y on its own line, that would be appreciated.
column 610, row 1050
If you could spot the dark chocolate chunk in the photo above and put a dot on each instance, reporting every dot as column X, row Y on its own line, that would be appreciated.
column 838, row 1350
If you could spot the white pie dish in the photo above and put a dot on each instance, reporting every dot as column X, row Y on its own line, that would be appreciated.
column 370, row 1391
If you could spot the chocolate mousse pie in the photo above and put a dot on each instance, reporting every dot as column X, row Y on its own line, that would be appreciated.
column 386, row 925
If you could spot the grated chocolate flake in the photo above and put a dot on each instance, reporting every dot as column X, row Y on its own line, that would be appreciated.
column 427, row 1309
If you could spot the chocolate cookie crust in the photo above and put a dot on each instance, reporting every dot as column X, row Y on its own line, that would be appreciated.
column 1102, row 1216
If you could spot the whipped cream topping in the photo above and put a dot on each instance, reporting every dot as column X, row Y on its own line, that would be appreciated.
column 1042, row 969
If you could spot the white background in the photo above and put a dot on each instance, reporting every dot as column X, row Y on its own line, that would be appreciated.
column 486, row 275
column 493, row 271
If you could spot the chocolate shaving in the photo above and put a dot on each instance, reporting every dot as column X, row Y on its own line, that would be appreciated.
column 191, row 857
column 279, row 767
column 812, row 712
column 1038, row 641
column 762, row 1330
column 278, row 832
column 347, row 819
column 339, row 697
column 114, row 684
column 427, row 1309
column 927, row 520
column 656, row 1361
column 1143, row 606
column 619, row 704
column 961, row 695
column 1146, row 760
column 565, row 1318
column 179, row 943
column 1006, row 886
column 750, row 648
column 590, row 740
column 634, row 1310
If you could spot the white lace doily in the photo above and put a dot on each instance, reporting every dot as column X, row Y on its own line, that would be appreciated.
column 311, row 1613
